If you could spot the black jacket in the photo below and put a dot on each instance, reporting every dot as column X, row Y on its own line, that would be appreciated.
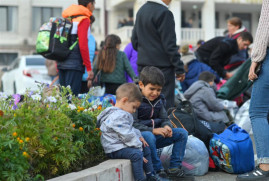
column 154, row 38
column 149, row 112
column 217, row 53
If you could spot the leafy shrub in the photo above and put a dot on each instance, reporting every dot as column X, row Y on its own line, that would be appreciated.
column 44, row 135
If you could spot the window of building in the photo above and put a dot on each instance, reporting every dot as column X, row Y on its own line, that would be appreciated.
column 8, row 18
column 7, row 59
column 42, row 15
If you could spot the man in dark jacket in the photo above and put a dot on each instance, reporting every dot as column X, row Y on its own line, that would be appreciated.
column 154, row 38
column 218, row 51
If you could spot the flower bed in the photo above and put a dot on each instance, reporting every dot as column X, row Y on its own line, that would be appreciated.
column 44, row 135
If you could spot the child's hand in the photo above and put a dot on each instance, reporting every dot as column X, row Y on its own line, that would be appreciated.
column 160, row 131
column 143, row 141
column 169, row 131
column 145, row 160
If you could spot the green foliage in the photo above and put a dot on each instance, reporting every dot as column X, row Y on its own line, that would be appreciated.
column 13, row 165
column 46, row 136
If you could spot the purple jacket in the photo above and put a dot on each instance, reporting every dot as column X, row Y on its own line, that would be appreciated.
column 132, row 56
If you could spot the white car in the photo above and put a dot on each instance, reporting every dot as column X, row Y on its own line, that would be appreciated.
column 23, row 73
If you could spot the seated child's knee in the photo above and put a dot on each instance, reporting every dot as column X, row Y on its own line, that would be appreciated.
column 137, row 155
column 148, row 135
column 180, row 131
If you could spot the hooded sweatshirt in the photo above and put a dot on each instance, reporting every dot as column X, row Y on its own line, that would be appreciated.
column 81, row 28
column 117, row 130
column 205, row 103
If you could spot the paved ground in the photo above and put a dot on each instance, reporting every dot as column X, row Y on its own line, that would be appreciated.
column 216, row 176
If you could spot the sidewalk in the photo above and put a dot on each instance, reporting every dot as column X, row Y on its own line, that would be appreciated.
column 217, row 176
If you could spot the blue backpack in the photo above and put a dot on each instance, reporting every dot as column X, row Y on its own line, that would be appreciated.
column 232, row 150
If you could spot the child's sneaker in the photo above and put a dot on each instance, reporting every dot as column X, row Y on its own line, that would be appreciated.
column 175, row 172
column 256, row 174
column 178, row 173
column 161, row 173
column 154, row 178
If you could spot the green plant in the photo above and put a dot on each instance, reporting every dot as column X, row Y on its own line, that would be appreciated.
column 44, row 134
column 13, row 159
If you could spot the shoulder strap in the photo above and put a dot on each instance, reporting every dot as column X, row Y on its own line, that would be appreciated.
column 177, row 120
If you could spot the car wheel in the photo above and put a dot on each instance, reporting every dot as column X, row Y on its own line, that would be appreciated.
column 14, row 88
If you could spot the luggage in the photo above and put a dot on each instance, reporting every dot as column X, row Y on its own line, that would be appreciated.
column 232, row 150
column 196, row 159
column 53, row 40
column 242, row 118
column 183, row 116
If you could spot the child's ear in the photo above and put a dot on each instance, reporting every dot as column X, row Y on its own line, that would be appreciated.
column 124, row 99
column 141, row 85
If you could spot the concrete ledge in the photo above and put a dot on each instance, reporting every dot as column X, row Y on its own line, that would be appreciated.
column 110, row 170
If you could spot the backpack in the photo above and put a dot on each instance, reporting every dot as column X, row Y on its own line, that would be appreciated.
column 232, row 150
column 183, row 116
column 53, row 40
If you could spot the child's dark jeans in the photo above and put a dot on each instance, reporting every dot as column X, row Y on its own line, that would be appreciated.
column 179, row 139
column 136, row 157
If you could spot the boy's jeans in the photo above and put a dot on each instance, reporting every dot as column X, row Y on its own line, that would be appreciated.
column 179, row 139
column 258, row 110
column 136, row 157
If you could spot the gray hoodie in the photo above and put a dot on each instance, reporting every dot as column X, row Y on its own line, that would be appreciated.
column 204, row 102
column 117, row 130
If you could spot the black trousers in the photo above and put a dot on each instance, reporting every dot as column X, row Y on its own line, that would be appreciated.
column 111, row 88
column 72, row 78
column 169, row 87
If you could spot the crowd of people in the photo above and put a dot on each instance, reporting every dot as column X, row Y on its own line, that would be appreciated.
column 138, row 124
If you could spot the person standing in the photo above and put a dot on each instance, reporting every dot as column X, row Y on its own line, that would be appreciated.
column 132, row 57
column 52, row 68
column 72, row 69
column 235, row 28
column 154, row 39
column 112, row 64
column 259, row 104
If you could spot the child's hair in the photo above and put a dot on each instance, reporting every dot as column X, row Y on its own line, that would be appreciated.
column 85, row 2
column 152, row 75
column 207, row 77
column 200, row 42
column 235, row 21
column 108, row 54
column 246, row 36
column 129, row 90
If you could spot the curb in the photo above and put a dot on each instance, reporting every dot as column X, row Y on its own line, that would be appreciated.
column 110, row 170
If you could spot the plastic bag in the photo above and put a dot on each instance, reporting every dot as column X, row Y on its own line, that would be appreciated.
column 242, row 118
column 196, row 159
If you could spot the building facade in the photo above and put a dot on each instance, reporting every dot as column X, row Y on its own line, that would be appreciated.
column 195, row 19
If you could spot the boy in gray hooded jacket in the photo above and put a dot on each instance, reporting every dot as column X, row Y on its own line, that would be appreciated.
column 120, row 139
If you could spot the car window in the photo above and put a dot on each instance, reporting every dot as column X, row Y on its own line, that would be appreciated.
column 35, row 61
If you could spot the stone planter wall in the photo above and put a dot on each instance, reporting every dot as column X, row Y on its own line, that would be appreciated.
column 110, row 170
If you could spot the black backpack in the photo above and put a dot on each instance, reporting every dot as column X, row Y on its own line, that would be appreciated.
column 184, row 117
column 53, row 40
